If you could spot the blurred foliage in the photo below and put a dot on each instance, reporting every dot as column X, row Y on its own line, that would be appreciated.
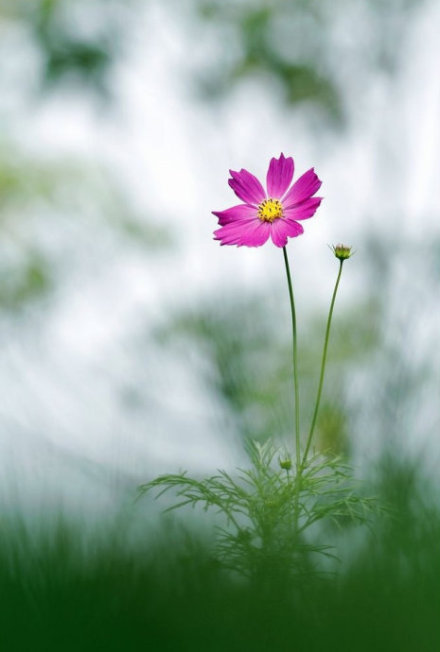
column 63, row 588
column 79, row 39
column 401, row 377
column 23, row 283
column 231, row 343
column 294, row 45
column 287, row 44
column 42, row 203
column 294, row 63
column 249, row 366
column 68, row 52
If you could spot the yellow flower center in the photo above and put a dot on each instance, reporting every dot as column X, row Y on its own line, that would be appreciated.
column 270, row 210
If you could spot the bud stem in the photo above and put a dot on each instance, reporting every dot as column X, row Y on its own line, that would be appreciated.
column 324, row 359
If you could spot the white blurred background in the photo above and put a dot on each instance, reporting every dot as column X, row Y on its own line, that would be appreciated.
column 125, row 327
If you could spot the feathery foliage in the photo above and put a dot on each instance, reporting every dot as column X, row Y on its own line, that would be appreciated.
column 265, row 518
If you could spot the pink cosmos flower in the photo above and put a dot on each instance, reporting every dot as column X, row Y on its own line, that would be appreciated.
column 274, row 213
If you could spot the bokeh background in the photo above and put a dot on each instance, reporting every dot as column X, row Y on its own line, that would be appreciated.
column 131, row 343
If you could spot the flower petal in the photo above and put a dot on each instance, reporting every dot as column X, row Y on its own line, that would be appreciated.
column 304, row 210
column 282, row 229
column 250, row 233
column 246, row 187
column 279, row 176
column 302, row 189
column 235, row 214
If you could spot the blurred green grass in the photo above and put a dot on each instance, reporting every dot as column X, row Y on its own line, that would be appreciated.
column 62, row 591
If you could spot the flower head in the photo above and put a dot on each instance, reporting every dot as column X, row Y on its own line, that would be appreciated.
column 342, row 252
column 272, row 212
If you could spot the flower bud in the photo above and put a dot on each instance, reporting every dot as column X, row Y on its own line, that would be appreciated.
column 285, row 464
column 342, row 252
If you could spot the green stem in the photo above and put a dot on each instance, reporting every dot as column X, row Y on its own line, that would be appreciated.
column 324, row 358
column 295, row 365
